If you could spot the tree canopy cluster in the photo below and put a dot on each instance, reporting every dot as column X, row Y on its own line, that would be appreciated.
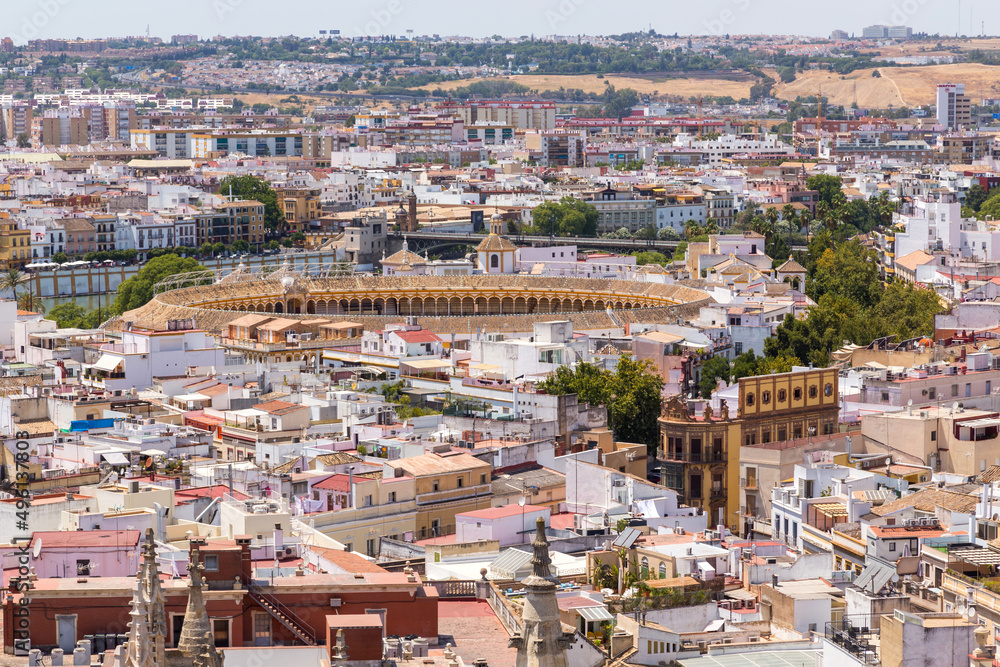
column 631, row 394
column 567, row 217
column 852, row 305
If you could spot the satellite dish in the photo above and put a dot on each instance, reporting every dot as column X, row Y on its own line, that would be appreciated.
column 37, row 549
column 521, row 501
column 895, row 578
column 910, row 402
column 971, row 612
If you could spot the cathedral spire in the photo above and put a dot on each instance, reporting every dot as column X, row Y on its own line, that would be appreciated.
column 149, row 581
column 541, row 641
column 197, row 641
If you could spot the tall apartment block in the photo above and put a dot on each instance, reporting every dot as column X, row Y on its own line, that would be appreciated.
column 954, row 109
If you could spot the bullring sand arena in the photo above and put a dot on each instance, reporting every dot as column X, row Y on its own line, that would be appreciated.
column 442, row 304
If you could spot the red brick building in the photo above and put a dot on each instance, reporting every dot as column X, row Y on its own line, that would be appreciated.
column 244, row 611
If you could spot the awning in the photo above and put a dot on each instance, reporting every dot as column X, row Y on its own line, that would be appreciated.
column 597, row 613
column 426, row 364
column 979, row 423
column 152, row 452
column 115, row 458
column 108, row 363
column 485, row 367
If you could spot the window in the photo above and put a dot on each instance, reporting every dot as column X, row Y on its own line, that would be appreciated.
column 461, row 482
column 933, row 436
column 782, row 395
column 813, row 392
column 750, row 399
column 828, row 389
column 892, row 546
column 954, row 390
column 83, row 568
column 437, row 485
column 212, row 563
column 392, row 496
column 494, row 261
column 663, row 570
column 765, row 397
column 368, row 501
column 482, row 478
column 797, row 394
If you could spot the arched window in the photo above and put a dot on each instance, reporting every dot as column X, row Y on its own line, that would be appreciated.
column 663, row 570
column 644, row 567
column 494, row 261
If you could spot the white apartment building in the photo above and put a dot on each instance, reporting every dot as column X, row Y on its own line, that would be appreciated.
column 954, row 109
column 145, row 354
column 714, row 151
column 937, row 225
column 143, row 232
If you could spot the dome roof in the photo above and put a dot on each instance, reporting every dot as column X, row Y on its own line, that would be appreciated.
column 494, row 243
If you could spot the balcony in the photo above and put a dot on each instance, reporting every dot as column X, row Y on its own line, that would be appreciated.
column 749, row 483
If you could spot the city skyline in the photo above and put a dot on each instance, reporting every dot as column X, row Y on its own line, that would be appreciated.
column 69, row 18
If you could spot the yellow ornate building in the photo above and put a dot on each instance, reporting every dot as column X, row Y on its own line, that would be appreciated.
column 700, row 453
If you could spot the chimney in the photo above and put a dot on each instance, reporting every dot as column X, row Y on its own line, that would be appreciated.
column 774, row 581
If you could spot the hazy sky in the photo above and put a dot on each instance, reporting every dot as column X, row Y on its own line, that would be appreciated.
column 102, row 18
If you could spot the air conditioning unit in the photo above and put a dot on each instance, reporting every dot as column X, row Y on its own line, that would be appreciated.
column 335, row 602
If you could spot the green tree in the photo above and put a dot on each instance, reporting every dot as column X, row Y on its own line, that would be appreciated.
column 619, row 103
column 648, row 257
column 137, row 291
column 780, row 364
column 24, row 140
column 60, row 258
column 631, row 394
column 828, row 187
column 976, row 196
column 745, row 365
column 29, row 301
column 990, row 208
column 634, row 402
column 257, row 189
column 849, row 270
column 218, row 248
column 714, row 369
column 905, row 311
column 239, row 245
column 12, row 279
column 71, row 315
column 567, row 217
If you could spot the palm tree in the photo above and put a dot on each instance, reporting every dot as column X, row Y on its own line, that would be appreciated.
column 29, row 301
column 11, row 279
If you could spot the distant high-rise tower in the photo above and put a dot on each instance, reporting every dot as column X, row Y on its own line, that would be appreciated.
column 954, row 109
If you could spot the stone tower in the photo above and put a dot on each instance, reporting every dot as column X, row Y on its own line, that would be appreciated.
column 541, row 642
column 152, row 590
